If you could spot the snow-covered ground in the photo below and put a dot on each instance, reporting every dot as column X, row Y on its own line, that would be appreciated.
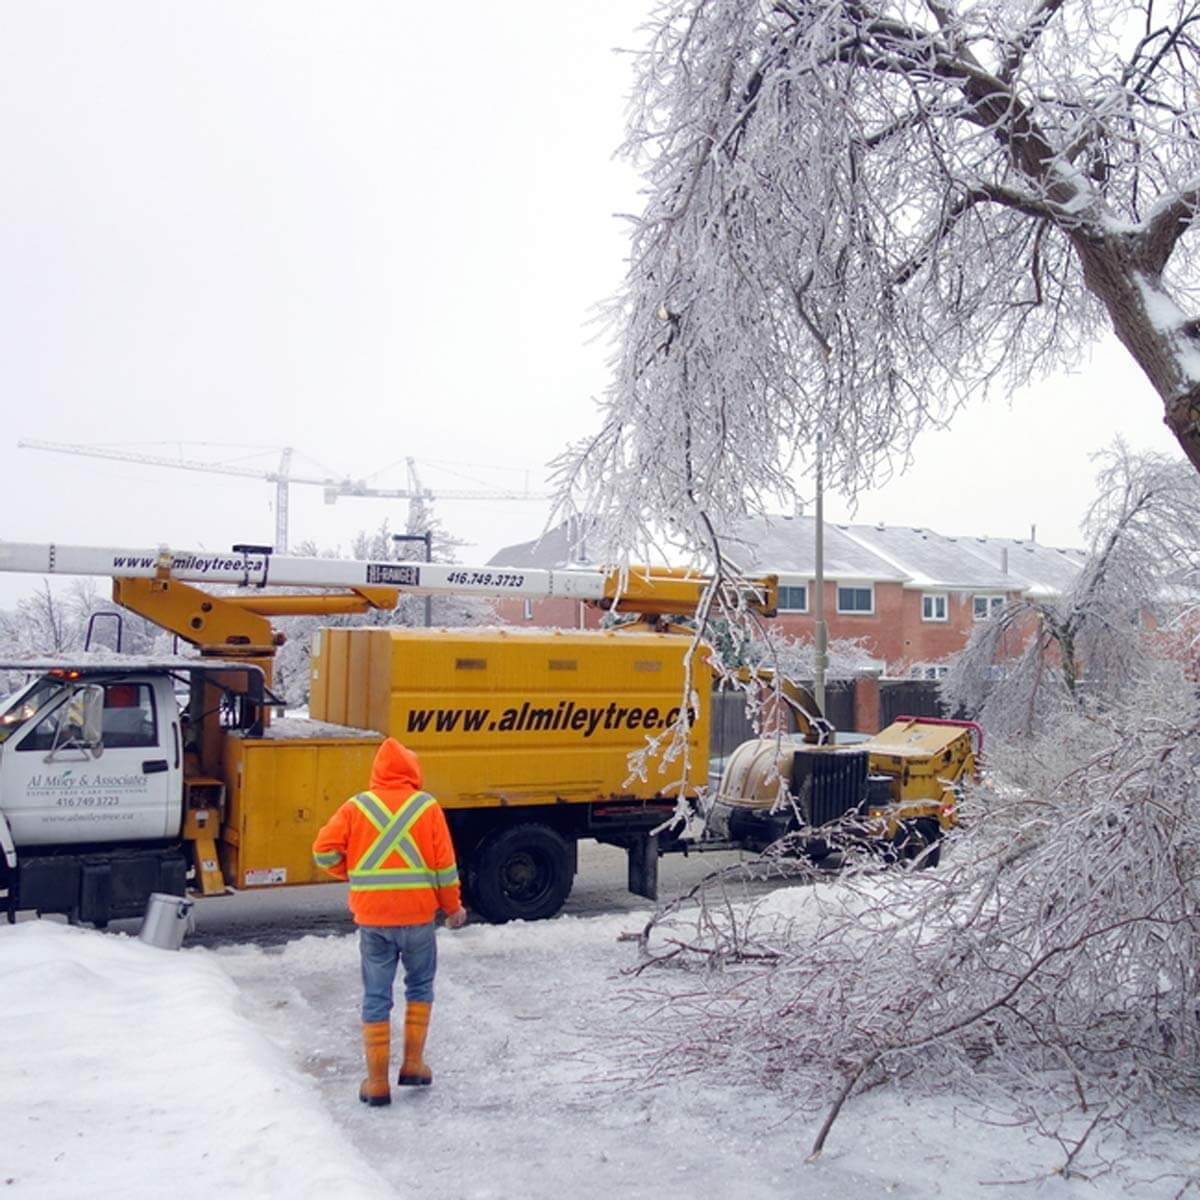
column 136, row 1072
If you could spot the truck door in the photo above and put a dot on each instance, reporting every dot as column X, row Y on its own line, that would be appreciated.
column 57, row 792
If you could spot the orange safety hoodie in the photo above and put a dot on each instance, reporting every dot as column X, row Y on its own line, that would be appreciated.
column 393, row 845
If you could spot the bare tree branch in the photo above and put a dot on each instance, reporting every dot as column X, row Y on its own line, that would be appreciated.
column 1167, row 224
column 1013, row 54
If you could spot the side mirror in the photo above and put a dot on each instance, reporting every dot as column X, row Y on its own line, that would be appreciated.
column 84, row 717
column 93, row 717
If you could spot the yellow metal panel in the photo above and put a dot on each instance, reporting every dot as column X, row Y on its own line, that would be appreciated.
column 356, row 685
column 207, row 863
column 318, row 684
column 285, row 790
column 508, row 717
column 232, row 763
column 338, row 675
column 914, row 739
column 927, row 761
column 378, row 648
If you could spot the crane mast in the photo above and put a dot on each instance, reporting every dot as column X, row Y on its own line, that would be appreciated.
column 284, row 477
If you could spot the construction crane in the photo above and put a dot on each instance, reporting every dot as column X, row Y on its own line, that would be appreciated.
column 283, row 479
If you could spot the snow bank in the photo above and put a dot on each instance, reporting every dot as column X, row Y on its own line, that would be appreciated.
column 534, row 1095
column 128, row 1071
column 131, row 1072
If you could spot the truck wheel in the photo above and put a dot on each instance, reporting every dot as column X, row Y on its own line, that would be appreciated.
column 8, row 884
column 521, row 874
column 920, row 843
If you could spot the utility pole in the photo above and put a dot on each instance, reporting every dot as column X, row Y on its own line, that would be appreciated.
column 820, row 631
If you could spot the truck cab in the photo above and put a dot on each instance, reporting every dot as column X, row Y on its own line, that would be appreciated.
column 93, row 757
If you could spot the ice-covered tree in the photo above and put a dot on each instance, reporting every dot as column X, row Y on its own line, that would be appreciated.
column 1045, row 974
column 861, row 214
column 1042, row 656
column 51, row 622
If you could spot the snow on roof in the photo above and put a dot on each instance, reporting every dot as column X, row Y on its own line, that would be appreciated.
column 1041, row 571
column 934, row 560
column 556, row 548
column 787, row 546
column 913, row 556
column 927, row 559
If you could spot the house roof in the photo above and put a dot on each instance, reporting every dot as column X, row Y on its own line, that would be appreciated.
column 973, row 563
column 557, row 547
column 931, row 559
column 912, row 556
column 1044, row 570
column 787, row 546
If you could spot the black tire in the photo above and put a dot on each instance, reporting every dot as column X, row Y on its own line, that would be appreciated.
column 523, row 873
column 919, row 844
column 818, row 850
column 8, row 884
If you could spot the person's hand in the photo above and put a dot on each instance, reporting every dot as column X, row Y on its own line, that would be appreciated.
column 456, row 920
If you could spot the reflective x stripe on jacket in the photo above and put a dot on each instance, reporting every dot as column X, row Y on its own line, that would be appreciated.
column 392, row 844
column 369, row 873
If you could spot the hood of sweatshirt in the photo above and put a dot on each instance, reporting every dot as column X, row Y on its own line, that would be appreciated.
column 396, row 769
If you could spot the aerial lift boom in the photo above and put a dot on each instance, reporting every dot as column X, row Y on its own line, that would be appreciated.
column 159, row 584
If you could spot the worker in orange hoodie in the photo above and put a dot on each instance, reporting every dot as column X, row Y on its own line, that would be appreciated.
column 393, row 845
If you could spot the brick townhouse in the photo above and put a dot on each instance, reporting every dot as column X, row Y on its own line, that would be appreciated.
column 912, row 596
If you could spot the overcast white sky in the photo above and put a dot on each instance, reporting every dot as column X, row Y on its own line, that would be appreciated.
column 369, row 231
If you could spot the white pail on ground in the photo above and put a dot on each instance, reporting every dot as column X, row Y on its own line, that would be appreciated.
column 167, row 919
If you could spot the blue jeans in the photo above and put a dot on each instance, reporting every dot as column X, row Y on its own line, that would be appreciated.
column 381, row 948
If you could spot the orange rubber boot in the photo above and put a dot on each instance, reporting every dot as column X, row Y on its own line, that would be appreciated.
column 377, row 1046
column 413, row 1071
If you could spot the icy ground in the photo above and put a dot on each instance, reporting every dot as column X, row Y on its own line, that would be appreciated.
column 136, row 1072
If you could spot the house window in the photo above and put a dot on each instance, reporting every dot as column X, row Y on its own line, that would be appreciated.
column 933, row 606
column 856, row 599
column 793, row 598
column 986, row 607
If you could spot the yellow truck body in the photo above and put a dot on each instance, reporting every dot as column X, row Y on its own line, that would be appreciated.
column 513, row 718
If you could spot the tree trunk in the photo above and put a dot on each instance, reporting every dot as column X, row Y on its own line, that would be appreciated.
column 1164, row 343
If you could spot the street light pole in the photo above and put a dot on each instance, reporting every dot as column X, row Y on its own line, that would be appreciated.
column 427, row 539
column 820, row 631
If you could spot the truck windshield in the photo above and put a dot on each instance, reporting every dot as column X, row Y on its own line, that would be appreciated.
column 22, row 705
